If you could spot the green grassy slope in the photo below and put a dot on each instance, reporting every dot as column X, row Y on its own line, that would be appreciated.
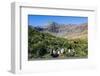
column 39, row 45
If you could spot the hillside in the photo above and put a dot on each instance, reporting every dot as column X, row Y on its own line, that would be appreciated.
column 41, row 44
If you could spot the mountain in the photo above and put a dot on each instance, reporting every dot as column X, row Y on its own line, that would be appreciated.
column 65, row 30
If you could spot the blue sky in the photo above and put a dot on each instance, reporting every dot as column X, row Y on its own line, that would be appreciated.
column 41, row 20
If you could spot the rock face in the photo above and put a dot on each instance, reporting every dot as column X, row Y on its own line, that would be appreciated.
column 53, row 27
column 64, row 30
